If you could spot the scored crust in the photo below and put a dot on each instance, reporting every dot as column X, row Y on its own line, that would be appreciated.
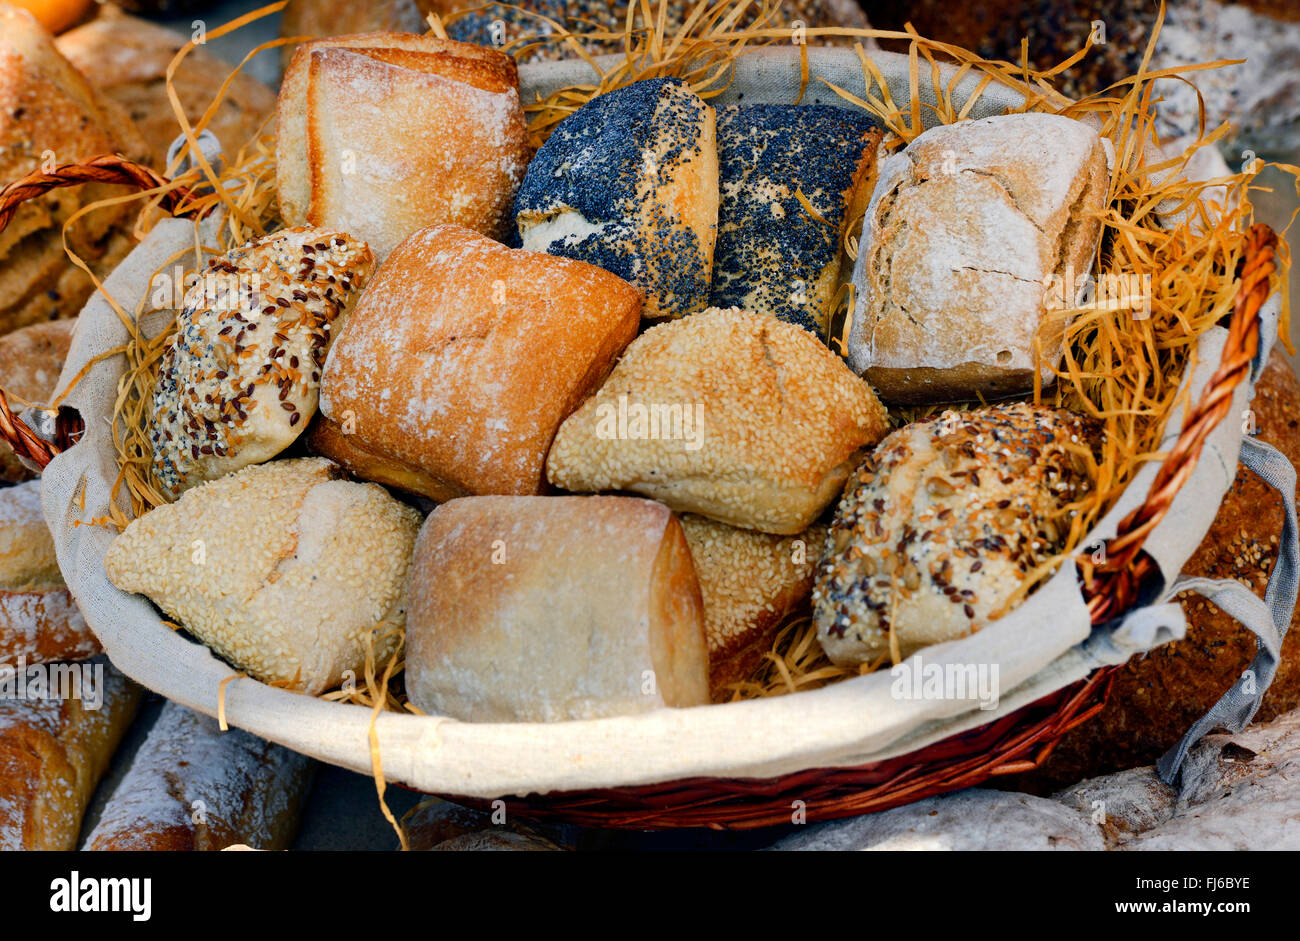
column 966, row 231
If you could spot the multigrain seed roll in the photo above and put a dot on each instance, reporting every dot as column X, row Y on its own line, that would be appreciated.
column 240, row 377
column 383, row 133
column 39, row 621
column 941, row 524
column 976, row 242
column 775, row 254
column 726, row 413
column 484, row 351
column 30, row 362
column 541, row 609
column 281, row 568
column 750, row 581
column 629, row 182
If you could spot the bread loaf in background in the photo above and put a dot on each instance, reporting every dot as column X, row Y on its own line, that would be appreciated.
column 540, row 609
column 463, row 358
column 285, row 586
column 54, row 751
column 30, row 362
column 1156, row 698
column 357, row 148
column 39, row 621
column 191, row 786
column 975, row 243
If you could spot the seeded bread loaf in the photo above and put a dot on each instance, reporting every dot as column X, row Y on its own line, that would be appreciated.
column 540, row 609
column 750, row 581
column 629, row 182
column 30, row 362
column 281, row 568
column 358, row 150
column 940, row 526
column 239, row 379
column 462, row 359
column 791, row 176
column 730, row 414
column 39, row 621
column 972, row 234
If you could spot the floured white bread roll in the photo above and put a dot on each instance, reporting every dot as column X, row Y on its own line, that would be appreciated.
column 733, row 415
column 943, row 522
column 971, row 231
column 750, row 581
column 383, row 133
column 539, row 609
column 629, row 182
column 461, row 361
column 240, row 377
column 38, row 619
column 281, row 568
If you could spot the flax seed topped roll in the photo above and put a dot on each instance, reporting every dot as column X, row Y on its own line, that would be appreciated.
column 240, row 378
column 629, row 182
column 791, row 177
column 730, row 414
column 282, row 568
column 943, row 522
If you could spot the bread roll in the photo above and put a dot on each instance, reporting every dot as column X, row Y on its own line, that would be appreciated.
column 463, row 358
column 539, row 609
column 53, row 114
column 629, row 182
column 239, row 379
column 774, row 254
column 323, row 18
column 191, row 786
column 355, row 151
column 729, row 414
column 749, row 581
column 127, row 59
column 39, row 622
column 976, row 240
column 54, row 751
column 942, row 523
column 281, row 568
column 30, row 362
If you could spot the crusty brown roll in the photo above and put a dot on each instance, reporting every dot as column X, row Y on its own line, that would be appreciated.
column 239, row 380
column 355, row 151
column 1157, row 698
column 30, row 362
column 733, row 415
column 462, row 359
column 52, row 116
column 39, row 622
column 318, row 19
column 749, row 581
column 191, row 786
column 976, row 241
column 54, row 751
column 629, row 182
column 539, row 609
column 942, row 523
column 127, row 59
column 281, row 568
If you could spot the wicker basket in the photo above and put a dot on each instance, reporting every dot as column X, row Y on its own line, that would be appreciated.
column 1015, row 742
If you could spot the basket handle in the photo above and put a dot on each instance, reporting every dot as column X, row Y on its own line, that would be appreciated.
column 108, row 168
column 1115, row 582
